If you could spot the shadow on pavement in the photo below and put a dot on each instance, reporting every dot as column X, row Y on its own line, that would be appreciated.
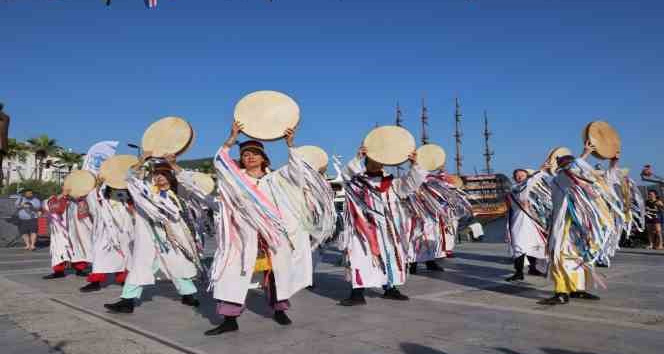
column 498, row 286
column 412, row 348
column 483, row 257
column 562, row 351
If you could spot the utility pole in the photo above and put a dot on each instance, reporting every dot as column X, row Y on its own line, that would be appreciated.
column 488, row 153
column 458, row 135
column 425, row 124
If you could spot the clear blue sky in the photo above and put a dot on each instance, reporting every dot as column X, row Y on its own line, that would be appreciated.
column 82, row 72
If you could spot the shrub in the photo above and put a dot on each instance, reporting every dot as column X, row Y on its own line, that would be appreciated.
column 41, row 189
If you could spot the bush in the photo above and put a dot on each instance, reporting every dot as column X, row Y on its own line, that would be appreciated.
column 41, row 189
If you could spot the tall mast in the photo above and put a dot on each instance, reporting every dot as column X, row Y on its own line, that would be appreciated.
column 425, row 124
column 488, row 153
column 458, row 135
column 399, row 120
column 399, row 123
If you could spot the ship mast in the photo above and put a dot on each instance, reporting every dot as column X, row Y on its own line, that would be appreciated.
column 399, row 123
column 425, row 124
column 488, row 153
column 457, row 136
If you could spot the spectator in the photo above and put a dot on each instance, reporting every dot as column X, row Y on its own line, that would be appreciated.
column 28, row 207
column 654, row 207
column 648, row 175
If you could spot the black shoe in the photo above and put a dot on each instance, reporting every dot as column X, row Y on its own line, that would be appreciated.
column 82, row 273
column 394, row 294
column 122, row 306
column 190, row 300
column 557, row 299
column 434, row 267
column 54, row 275
column 515, row 277
column 94, row 286
column 412, row 268
column 583, row 295
column 535, row 272
column 281, row 318
column 229, row 325
column 353, row 301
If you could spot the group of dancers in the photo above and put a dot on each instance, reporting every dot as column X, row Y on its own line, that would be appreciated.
column 567, row 218
column 564, row 219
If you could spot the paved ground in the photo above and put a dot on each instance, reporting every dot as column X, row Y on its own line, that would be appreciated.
column 468, row 309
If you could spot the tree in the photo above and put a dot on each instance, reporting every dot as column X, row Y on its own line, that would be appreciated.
column 206, row 167
column 43, row 147
column 69, row 159
column 15, row 150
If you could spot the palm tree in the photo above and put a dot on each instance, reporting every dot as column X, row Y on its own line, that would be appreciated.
column 69, row 159
column 15, row 150
column 43, row 147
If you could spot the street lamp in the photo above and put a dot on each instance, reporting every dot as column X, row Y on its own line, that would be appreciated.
column 134, row 146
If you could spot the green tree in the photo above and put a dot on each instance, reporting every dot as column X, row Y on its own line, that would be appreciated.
column 206, row 167
column 43, row 147
column 69, row 159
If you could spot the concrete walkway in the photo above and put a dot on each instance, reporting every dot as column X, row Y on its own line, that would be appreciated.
column 467, row 309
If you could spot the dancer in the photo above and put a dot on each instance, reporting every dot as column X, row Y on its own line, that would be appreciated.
column 437, row 206
column 528, row 220
column 264, row 229
column 71, row 232
column 584, row 207
column 112, row 212
column 375, row 238
column 162, row 239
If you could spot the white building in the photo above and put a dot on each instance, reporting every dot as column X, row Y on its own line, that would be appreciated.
column 16, row 171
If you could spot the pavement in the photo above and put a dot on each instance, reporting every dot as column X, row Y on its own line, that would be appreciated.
column 467, row 309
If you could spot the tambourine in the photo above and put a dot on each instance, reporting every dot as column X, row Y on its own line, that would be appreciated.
column 605, row 139
column 169, row 135
column 314, row 156
column 80, row 183
column 114, row 170
column 431, row 157
column 265, row 115
column 554, row 154
column 204, row 182
column 389, row 145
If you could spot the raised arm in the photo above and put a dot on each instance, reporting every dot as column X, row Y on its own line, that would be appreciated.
column 412, row 181
column 355, row 166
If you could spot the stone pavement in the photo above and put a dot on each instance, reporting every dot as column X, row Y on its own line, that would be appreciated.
column 467, row 309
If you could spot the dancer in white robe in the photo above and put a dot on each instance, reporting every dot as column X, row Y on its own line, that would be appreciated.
column 71, row 234
column 162, row 239
column 528, row 220
column 113, row 226
column 437, row 208
column 375, row 239
column 265, row 223
column 584, row 224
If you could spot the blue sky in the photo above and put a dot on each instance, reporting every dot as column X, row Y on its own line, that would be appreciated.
column 82, row 72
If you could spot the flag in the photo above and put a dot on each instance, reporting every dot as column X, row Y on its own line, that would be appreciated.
column 97, row 154
column 151, row 4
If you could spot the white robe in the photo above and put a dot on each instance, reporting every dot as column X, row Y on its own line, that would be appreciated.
column 392, row 225
column 71, row 237
column 161, row 236
column 113, row 225
column 437, row 208
column 273, row 206
column 525, row 234
column 580, row 194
